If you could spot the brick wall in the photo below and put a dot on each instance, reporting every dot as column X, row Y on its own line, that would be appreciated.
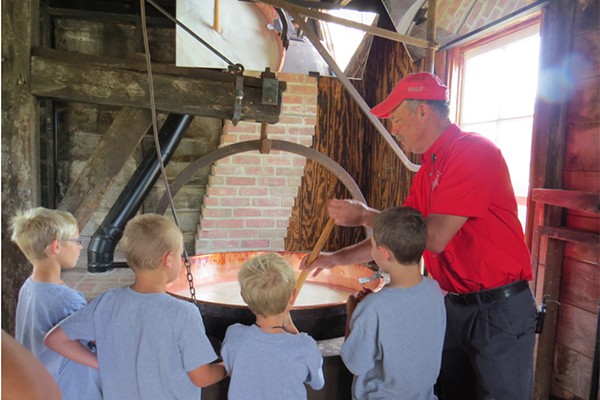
column 249, row 197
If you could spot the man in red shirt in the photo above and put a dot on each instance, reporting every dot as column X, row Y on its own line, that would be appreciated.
column 475, row 247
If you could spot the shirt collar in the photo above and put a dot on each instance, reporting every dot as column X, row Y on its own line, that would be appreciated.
column 439, row 147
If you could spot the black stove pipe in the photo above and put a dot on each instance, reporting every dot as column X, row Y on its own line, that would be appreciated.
column 103, row 243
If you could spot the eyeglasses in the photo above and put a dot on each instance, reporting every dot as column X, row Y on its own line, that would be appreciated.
column 77, row 240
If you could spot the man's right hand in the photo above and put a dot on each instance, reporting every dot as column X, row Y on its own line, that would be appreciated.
column 323, row 261
column 351, row 213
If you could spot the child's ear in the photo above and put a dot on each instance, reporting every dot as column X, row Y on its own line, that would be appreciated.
column 54, row 247
column 385, row 252
column 167, row 259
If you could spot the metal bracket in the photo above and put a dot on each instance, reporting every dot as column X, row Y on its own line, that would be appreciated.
column 239, row 96
column 270, row 87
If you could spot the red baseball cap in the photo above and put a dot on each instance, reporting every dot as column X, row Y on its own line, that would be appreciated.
column 417, row 86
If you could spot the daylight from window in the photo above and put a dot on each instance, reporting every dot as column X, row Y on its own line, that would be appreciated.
column 343, row 41
column 498, row 97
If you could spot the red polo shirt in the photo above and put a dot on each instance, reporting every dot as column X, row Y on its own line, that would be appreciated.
column 465, row 174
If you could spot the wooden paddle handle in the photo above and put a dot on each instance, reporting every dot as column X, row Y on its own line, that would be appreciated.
column 315, row 252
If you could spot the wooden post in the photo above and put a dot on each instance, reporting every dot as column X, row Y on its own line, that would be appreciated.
column 431, row 37
column 548, row 147
column 20, row 142
column 216, row 16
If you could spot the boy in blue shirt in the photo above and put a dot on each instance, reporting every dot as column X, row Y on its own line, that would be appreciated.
column 149, row 344
column 395, row 336
column 50, row 241
column 270, row 360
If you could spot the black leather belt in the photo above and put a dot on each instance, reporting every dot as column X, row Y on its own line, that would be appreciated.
column 489, row 295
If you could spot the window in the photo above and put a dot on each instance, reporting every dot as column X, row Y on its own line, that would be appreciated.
column 498, row 89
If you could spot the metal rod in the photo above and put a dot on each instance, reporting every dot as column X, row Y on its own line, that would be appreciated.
column 354, row 93
column 188, row 30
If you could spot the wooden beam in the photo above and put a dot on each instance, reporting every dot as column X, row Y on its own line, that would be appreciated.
column 570, row 235
column 571, row 199
column 111, row 153
column 118, row 82
column 373, row 30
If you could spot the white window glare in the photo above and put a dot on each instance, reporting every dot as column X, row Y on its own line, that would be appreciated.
column 499, row 84
column 345, row 40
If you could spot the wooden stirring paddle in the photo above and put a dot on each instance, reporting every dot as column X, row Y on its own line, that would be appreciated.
column 315, row 252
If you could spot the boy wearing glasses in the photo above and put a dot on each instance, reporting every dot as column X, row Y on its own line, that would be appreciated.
column 50, row 241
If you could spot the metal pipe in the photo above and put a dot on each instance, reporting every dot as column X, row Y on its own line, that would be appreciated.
column 105, row 239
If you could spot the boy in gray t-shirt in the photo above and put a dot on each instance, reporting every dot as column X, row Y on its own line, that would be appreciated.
column 394, row 337
column 149, row 344
column 270, row 360
column 50, row 241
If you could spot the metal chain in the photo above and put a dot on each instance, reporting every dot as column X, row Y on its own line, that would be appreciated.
column 190, row 277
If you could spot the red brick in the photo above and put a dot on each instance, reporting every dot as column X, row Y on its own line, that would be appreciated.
column 247, row 212
column 299, row 162
column 282, row 223
column 243, row 233
column 312, row 121
column 229, row 223
column 240, row 181
column 253, row 191
column 282, row 191
column 245, row 159
column 277, row 212
column 289, row 172
column 303, row 130
column 288, row 119
column 213, row 234
column 278, row 160
column 259, row 171
column 255, row 244
column 208, row 224
column 226, row 244
column 224, row 170
column 243, row 127
column 271, row 181
column 266, row 202
column 234, row 201
column 216, row 213
column 221, row 191
column 289, row 99
column 275, row 129
column 260, row 223
column 307, row 90
column 291, row 77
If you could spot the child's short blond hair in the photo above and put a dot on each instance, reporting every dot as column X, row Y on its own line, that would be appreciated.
column 147, row 238
column 33, row 230
column 267, row 283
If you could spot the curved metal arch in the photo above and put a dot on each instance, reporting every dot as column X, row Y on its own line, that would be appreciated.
column 241, row 147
